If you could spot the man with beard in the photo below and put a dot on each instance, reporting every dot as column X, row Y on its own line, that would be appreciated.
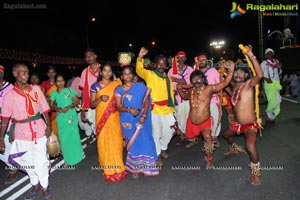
column 180, row 74
column 244, row 107
column 162, row 95
column 200, row 120
column 89, row 76
column 213, row 77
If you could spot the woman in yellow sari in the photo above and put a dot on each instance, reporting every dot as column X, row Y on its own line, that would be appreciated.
column 108, row 128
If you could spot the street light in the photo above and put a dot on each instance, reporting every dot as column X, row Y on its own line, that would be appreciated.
column 86, row 31
column 216, row 45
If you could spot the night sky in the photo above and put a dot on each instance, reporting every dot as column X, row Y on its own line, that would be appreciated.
column 60, row 28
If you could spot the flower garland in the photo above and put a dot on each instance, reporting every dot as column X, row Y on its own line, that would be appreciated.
column 236, row 94
column 257, row 112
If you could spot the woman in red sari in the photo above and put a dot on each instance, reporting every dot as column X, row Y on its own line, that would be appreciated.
column 108, row 128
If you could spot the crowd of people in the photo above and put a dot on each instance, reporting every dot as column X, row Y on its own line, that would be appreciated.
column 138, row 112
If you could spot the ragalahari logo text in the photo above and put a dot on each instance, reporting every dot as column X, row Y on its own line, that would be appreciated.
column 236, row 10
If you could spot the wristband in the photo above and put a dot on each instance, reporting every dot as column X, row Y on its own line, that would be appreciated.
column 252, row 57
column 128, row 109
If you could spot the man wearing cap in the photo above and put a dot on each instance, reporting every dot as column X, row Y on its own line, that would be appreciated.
column 162, row 96
column 180, row 74
column 12, row 171
column 272, row 69
column 213, row 77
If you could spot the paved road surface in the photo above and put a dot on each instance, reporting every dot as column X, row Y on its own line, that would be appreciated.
column 279, row 149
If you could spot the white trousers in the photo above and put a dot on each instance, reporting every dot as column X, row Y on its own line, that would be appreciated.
column 182, row 112
column 89, row 128
column 4, row 156
column 214, row 112
column 33, row 159
column 162, row 131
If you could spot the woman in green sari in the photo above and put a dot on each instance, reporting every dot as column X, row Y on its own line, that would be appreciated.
column 63, row 101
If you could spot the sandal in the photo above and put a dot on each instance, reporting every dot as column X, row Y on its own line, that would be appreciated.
column 135, row 176
column 31, row 194
column 48, row 196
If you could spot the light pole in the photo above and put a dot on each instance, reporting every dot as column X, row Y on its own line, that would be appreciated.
column 216, row 45
column 86, row 31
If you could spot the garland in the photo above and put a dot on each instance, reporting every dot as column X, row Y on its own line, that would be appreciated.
column 257, row 112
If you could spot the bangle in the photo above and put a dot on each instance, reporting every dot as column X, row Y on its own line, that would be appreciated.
column 144, row 115
column 230, row 71
column 252, row 57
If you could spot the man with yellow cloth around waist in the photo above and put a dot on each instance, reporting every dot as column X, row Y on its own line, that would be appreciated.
column 162, row 96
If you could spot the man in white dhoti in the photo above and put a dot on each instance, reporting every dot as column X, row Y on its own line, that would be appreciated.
column 24, row 105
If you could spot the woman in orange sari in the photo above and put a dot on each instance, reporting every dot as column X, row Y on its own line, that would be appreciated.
column 108, row 128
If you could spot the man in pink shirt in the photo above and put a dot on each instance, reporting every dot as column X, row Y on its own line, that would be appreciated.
column 89, row 76
column 24, row 105
column 86, row 127
column 180, row 74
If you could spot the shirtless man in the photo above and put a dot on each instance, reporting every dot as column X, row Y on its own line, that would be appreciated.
column 200, row 120
column 246, row 122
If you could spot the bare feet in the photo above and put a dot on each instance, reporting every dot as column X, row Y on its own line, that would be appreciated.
column 255, row 180
column 209, row 164
column 235, row 149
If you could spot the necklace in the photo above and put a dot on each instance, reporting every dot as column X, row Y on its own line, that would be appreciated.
column 195, row 103
column 236, row 94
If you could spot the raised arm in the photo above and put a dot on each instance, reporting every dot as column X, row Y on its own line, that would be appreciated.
column 259, row 73
column 229, row 65
column 140, row 70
